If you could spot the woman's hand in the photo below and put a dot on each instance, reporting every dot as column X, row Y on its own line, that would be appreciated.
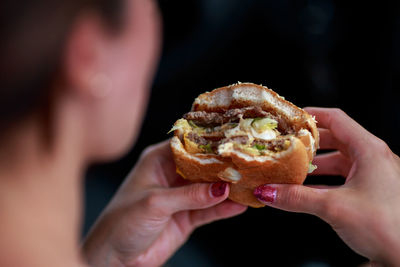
column 154, row 212
column 365, row 211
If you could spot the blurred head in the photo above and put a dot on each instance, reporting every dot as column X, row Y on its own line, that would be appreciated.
column 96, row 57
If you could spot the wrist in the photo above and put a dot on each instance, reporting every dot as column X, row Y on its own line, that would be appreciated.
column 99, row 252
column 97, row 249
column 101, row 255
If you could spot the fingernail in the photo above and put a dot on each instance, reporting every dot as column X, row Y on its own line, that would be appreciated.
column 218, row 189
column 265, row 193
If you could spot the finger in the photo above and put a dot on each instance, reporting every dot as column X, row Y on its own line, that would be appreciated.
column 189, row 197
column 223, row 210
column 322, row 186
column 332, row 163
column 347, row 131
column 295, row 198
column 327, row 141
column 186, row 222
column 165, row 161
column 161, row 148
column 157, row 167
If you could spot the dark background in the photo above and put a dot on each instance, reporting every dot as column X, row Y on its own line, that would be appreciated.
column 315, row 53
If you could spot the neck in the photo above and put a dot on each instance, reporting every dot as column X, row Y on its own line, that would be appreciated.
column 40, row 194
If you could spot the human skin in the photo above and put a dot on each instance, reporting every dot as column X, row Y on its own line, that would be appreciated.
column 364, row 211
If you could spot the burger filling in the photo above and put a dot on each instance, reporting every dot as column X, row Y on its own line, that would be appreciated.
column 250, row 130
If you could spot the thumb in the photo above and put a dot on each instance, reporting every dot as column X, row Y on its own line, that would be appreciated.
column 296, row 198
column 193, row 196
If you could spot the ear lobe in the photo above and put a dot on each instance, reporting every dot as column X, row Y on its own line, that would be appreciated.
column 84, row 56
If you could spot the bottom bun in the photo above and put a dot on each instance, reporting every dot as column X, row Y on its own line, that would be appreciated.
column 244, row 196
column 243, row 172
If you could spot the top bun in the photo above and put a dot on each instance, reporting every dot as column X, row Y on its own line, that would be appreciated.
column 249, row 94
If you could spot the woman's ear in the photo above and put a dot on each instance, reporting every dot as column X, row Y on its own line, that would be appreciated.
column 105, row 76
column 84, row 65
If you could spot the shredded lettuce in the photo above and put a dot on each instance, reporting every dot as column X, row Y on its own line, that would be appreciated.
column 263, row 124
column 191, row 123
column 180, row 124
column 207, row 148
column 232, row 124
column 259, row 147
column 175, row 127
column 311, row 167
column 250, row 150
column 245, row 124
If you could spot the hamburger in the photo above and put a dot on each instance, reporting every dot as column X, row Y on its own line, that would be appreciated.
column 247, row 135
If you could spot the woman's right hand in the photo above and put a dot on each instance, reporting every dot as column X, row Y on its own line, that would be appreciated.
column 365, row 211
column 154, row 212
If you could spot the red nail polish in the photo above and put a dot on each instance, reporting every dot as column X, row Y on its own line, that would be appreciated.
column 218, row 189
column 265, row 193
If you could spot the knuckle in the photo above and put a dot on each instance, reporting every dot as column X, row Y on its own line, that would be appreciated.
column 194, row 193
column 378, row 150
column 337, row 113
column 160, row 152
column 337, row 116
column 148, row 152
column 150, row 155
column 153, row 201
column 380, row 146
column 293, row 197
column 333, row 116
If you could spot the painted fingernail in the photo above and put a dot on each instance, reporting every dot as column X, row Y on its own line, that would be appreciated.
column 218, row 189
column 265, row 193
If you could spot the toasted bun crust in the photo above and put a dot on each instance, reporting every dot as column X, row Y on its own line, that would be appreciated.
column 243, row 171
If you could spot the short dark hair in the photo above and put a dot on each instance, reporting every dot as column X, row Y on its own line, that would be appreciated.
column 32, row 38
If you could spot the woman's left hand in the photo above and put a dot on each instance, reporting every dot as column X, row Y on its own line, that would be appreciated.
column 154, row 212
